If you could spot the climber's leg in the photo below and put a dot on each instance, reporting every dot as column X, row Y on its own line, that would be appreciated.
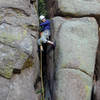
column 39, row 41
column 42, row 39
column 50, row 42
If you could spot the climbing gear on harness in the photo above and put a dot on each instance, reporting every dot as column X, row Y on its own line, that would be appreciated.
column 42, row 84
column 42, row 17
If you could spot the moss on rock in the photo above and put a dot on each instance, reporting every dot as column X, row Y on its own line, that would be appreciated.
column 6, row 72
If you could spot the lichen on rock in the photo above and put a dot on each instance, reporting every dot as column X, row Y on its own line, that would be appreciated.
column 18, row 49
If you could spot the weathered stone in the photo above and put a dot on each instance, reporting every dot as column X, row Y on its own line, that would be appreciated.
column 22, row 86
column 10, row 58
column 4, row 88
column 18, row 35
column 23, row 5
column 75, row 53
column 75, row 7
column 18, row 17
column 73, row 85
column 19, row 46
column 97, row 90
column 52, row 7
column 18, row 49
column 97, row 69
column 76, row 45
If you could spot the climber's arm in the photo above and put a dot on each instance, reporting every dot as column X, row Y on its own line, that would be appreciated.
column 44, row 23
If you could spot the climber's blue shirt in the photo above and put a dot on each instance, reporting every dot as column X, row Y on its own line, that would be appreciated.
column 45, row 25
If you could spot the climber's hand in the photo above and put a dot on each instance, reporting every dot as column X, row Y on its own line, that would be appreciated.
column 41, row 48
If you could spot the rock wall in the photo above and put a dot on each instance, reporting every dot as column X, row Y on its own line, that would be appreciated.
column 19, row 65
column 73, row 7
column 73, row 61
column 75, row 57
column 75, row 29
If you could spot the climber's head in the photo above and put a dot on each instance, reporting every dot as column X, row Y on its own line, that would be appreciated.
column 42, row 18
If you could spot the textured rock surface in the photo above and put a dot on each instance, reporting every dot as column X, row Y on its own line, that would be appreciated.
column 22, row 4
column 21, row 87
column 18, row 50
column 73, row 85
column 4, row 88
column 73, row 7
column 97, row 74
column 97, row 70
column 17, row 29
column 52, row 7
column 77, row 41
column 97, row 90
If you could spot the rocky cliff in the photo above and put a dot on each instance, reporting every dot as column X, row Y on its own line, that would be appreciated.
column 76, row 31
column 19, row 65
column 77, row 41
column 72, row 70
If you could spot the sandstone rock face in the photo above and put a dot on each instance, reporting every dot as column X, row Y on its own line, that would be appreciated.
column 77, row 41
column 18, row 49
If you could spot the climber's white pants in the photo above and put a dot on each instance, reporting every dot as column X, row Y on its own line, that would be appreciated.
column 44, row 38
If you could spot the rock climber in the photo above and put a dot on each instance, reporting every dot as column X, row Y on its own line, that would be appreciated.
column 45, row 34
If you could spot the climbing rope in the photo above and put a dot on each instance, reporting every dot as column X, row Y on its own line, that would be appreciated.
column 42, row 84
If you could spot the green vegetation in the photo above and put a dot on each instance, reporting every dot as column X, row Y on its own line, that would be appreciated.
column 42, row 8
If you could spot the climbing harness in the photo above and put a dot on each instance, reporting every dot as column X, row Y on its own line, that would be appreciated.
column 42, row 84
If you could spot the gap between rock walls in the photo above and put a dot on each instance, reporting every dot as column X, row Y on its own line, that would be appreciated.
column 46, row 83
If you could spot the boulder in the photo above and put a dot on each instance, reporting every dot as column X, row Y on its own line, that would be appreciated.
column 18, row 35
column 10, row 58
column 77, row 41
column 73, row 85
column 21, row 87
column 23, row 5
column 19, row 63
column 74, row 40
column 18, row 17
column 75, row 7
